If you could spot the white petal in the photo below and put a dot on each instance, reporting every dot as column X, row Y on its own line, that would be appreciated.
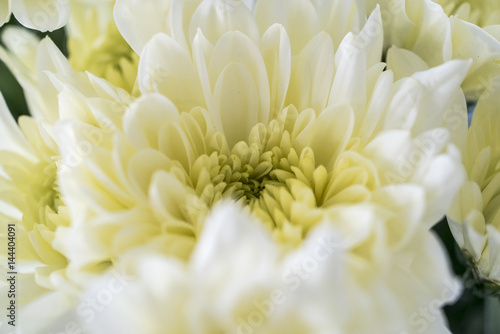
column 202, row 53
column 440, row 86
column 298, row 17
column 41, row 15
column 166, row 67
column 312, row 75
column 144, row 118
column 443, row 178
column 277, row 55
column 404, row 63
column 235, row 102
column 339, row 17
column 349, row 83
column 12, row 138
column 50, row 60
column 216, row 17
column 331, row 133
column 431, row 37
column 494, row 247
column 235, row 50
column 131, row 15
column 231, row 236
column 4, row 12
column 366, row 127
column 472, row 42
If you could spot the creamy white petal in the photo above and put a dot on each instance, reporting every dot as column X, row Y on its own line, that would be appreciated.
column 312, row 74
column 297, row 16
column 277, row 55
column 404, row 63
column 12, row 137
column 41, row 15
column 4, row 12
column 130, row 16
column 216, row 17
column 166, row 67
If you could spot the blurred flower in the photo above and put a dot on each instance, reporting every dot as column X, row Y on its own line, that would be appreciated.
column 424, row 34
column 30, row 161
column 95, row 45
column 475, row 215
column 29, row 198
column 239, row 281
column 480, row 12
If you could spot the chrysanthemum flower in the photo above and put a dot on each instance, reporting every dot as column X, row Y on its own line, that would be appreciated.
column 29, row 164
column 306, row 139
column 480, row 12
column 29, row 198
column 475, row 215
column 426, row 34
column 95, row 45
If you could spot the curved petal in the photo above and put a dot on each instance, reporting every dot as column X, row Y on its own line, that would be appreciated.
column 166, row 67
column 131, row 15
column 216, row 17
column 312, row 75
column 41, row 15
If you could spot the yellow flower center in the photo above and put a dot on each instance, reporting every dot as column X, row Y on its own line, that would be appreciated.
column 270, row 174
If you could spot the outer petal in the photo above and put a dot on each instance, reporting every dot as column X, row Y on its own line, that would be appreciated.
column 165, row 67
column 130, row 16
column 277, row 55
column 238, row 76
column 216, row 17
column 297, row 16
column 312, row 75
column 472, row 42
column 41, row 15
column 4, row 11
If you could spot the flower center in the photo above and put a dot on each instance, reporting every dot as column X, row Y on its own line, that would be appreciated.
column 265, row 174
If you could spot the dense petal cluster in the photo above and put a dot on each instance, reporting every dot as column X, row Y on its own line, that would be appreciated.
column 301, row 137
column 259, row 166
column 314, row 289
column 95, row 45
column 475, row 215
column 420, row 33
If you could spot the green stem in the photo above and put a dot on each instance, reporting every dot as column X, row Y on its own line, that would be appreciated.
column 491, row 315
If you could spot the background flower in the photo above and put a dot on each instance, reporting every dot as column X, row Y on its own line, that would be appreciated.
column 480, row 12
column 428, row 35
column 475, row 215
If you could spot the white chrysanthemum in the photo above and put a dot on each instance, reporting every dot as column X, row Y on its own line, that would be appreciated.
column 29, row 191
column 304, row 138
column 475, row 215
column 480, row 12
column 428, row 35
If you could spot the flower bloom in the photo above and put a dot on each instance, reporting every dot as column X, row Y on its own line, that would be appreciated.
column 95, row 45
column 474, row 218
column 30, row 162
column 427, row 35
column 302, row 128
